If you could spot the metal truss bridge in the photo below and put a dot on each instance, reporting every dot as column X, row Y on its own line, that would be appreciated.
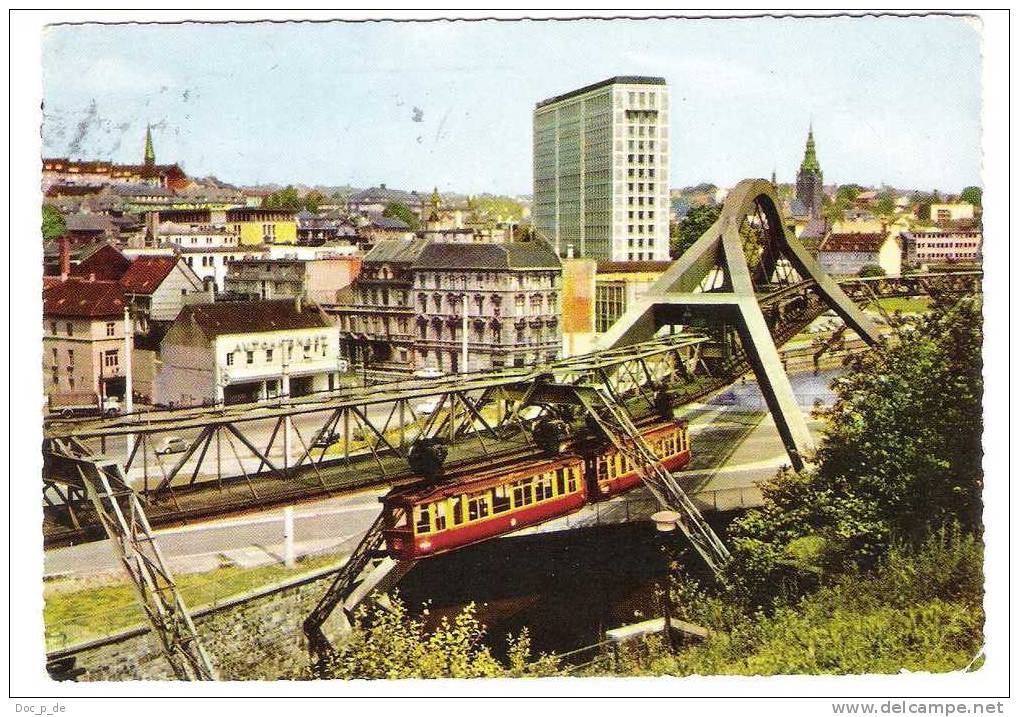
column 744, row 288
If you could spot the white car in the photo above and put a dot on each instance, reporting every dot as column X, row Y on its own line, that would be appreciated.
column 428, row 373
column 171, row 444
column 427, row 406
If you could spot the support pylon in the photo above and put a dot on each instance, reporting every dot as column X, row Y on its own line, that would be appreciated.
column 688, row 288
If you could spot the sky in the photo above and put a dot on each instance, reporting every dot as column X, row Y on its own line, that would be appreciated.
column 449, row 104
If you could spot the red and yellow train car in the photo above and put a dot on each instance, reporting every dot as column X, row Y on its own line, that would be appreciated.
column 611, row 473
column 423, row 520
column 437, row 518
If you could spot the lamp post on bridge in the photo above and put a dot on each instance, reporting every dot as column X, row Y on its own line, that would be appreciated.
column 665, row 523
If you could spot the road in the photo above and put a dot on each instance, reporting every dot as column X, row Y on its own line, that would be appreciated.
column 733, row 448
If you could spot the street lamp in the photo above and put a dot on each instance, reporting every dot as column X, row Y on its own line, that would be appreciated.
column 665, row 523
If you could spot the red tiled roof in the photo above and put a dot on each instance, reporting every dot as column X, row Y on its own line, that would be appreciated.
column 77, row 297
column 106, row 263
column 854, row 242
column 146, row 273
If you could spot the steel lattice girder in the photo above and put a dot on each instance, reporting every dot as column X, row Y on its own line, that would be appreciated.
column 122, row 516
column 719, row 253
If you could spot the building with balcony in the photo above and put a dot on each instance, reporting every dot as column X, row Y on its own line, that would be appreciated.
column 239, row 351
column 601, row 170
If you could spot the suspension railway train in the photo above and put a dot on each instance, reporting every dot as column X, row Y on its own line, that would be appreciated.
column 474, row 505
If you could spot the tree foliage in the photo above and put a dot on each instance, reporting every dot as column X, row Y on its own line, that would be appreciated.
column 286, row 198
column 392, row 644
column 697, row 221
column 313, row 199
column 973, row 195
column 871, row 270
column 396, row 210
column 902, row 456
column 53, row 226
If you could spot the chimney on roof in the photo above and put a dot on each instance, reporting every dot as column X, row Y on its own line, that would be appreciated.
column 152, row 228
column 382, row 186
column 65, row 257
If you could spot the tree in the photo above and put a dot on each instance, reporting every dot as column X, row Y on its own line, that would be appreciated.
column 973, row 195
column 391, row 644
column 286, row 198
column 847, row 194
column 313, row 199
column 871, row 270
column 884, row 205
column 901, row 458
column 697, row 221
column 396, row 210
column 53, row 225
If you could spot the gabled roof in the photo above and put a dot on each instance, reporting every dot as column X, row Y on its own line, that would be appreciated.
column 88, row 223
column 78, row 297
column 856, row 242
column 248, row 317
column 391, row 223
column 146, row 273
column 105, row 263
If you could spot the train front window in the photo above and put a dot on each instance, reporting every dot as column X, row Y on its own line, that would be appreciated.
column 422, row 519
column 571, row 481
column 603, row 468
column 560, row 480
column 397, row 517
column 500, row 499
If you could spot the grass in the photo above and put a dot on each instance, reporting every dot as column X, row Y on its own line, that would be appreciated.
column 906, row 305
column 77, row 610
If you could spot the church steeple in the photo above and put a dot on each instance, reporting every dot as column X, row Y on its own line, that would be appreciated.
column 150, row 153
column 810, row 181
column 810, row 163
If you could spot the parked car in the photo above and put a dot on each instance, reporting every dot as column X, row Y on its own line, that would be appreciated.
column 326, row 440
column 171, row 444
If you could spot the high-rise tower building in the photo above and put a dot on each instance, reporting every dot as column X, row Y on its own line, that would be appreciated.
column 810, row 180
column 601, row 170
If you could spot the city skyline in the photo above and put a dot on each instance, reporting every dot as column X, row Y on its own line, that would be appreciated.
column 426, row 114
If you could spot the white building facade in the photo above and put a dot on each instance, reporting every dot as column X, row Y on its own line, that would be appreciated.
column 601, row 170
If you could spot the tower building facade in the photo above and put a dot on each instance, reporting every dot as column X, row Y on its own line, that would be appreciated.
column 601, row 170
column 810, row 180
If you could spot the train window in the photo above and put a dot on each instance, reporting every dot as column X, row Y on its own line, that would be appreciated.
column 440, row 516
column 602, row 468
column 571, row 479
column 522, row 493
column 458, row 510
column 422, row 519
column 543, row 487
column 500, row 499
column 477, row 507
column 560, row 480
